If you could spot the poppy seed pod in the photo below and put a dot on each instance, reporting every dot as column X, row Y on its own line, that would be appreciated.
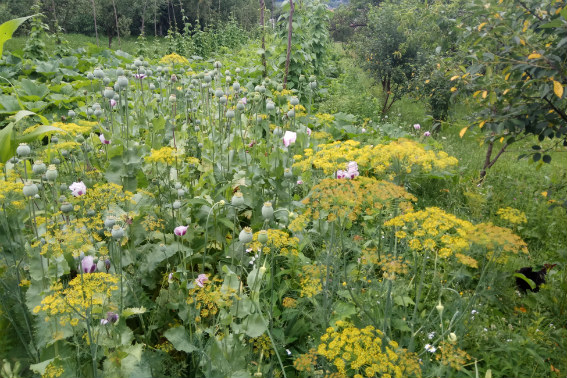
column 230, row 114
column 39, row 167
column 98, row 73
column 117, row 232
column 51, row 173
column 267, row 211
column 66, row 207
column 237, row 199
column 245, row 235
column 30, row 189
column 23, row 150
column 294, row 101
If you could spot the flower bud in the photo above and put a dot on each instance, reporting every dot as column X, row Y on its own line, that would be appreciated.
column 440, row 308
column 263, row 236
column 452, row 338
column 267, row 211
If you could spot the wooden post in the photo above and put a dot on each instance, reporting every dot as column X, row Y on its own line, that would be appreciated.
column 262, row 6
column 289, row 35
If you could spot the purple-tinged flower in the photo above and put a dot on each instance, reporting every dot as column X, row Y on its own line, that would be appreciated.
column 112, row 103
column 88, row 265
column 426, row 134
column 299, row 182
column 107, row 265
column 78, row 188
column 430, row 348
column 341, row 174
column 140, row 76
column 111, row 317
column 308, row 131
column 417, row 126
column 201, row 280
column 352, row 170
column 180, row 230
column 243, row 99
column 103, row 140
column 170, row 277
column 289, row 138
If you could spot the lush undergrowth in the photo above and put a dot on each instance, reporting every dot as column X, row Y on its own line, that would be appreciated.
column 178, row 217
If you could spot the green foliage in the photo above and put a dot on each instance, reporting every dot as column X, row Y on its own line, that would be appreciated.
column 8, row 28
column 516, row 70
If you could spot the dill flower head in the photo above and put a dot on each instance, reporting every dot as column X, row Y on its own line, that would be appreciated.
column 174, row 58
column 278, row 242
column 364, row 352
column 86, row 291
column 166, row 155
column 513, row 216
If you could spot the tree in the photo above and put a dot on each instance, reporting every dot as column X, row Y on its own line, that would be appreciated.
column 517, row 72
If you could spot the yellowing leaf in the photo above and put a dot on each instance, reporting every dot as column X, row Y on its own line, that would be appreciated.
column 480, row 125
column 465, row 75
column 427, row 81
column 534, row 56
column 526, row 24
column 476, row 93
column 558, row 89
column 501, row 139
column 506, row 91
column 455, row 77
column 522, row 42
column 453, row 89
column 481, row 26
column 484, row 94
column 507, row 77
column 463, row 131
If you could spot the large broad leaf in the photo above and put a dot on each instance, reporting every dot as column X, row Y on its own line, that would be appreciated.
column 38, row 133
column 8, row 28
column 178, row 337
column 33, row 90
column 6, row 143
column 9, row 104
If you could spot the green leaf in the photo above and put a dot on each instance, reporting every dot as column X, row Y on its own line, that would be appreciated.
column 133, row 311
column 39, row 368
column 180, row 340
column 25, row 113
column 37, row 134
column 522, row 277
column 6, row 145
column 8, row 28
column 254, row 326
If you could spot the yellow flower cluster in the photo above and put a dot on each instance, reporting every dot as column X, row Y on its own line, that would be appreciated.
column 393, row 266
column 325, row 118
column 279, row 241
column 11, row 190
column 289, row 302
column 85, row 291
column 512, row 215
column 210, row 298
column 433, row 229
column 53, row 370
column 262, row 344
column 334, row 199
column 166, row 155
column 497, row 239
column 363, row 352
column 310, row 280
column 100, row 196
column 73, row 129
column 72, row 238
column 173, row 58
column 396, row 158
column 165, row 347
column 306, row 361
column 452, row 356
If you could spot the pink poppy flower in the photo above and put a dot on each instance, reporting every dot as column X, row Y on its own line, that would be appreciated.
column 289, row 138
column 180, row 230
column 201, row 280
column 427, row 133
column 78, row 188
column 417, row 126
column 103, row 140
column 88, row 265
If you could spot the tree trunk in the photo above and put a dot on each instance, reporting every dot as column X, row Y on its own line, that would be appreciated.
column 289, row 35
column 262, row 6
column 54, row 12
column 116, row 21
column 489, row 163
column 94, row 18
column 143, row 27
column 155, row 18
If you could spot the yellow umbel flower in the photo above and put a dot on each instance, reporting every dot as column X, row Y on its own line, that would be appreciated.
column 86, row 291
column 166, row 155
column 174, row 58
column 364, row 352
column 512, row 215
column 278, row 241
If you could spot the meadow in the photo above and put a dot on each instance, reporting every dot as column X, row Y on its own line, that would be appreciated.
column 201, row 207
